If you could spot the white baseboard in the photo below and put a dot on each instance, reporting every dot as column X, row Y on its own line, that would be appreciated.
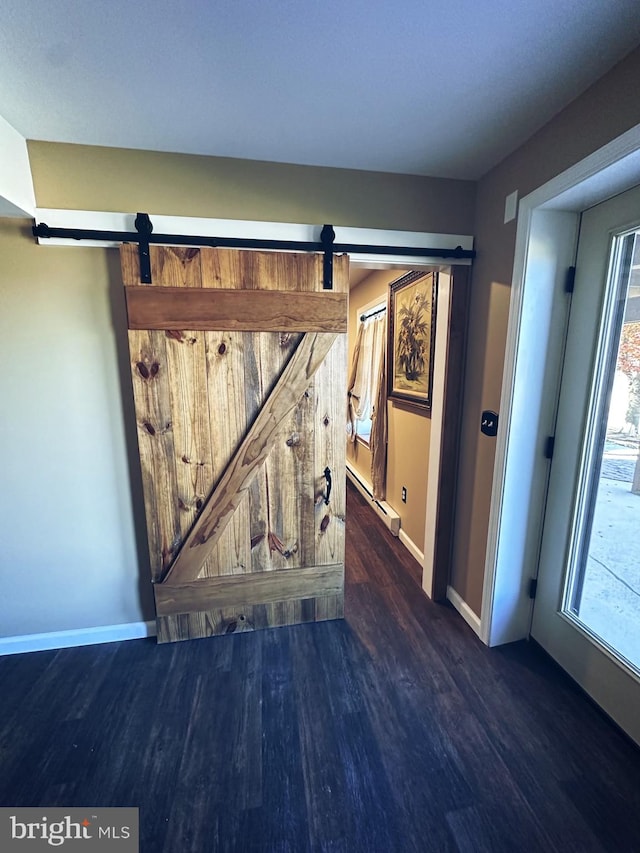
column 384, row 510
column 77, row 637
column 411, row 547
column 464, row 610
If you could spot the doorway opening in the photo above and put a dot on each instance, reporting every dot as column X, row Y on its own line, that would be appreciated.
column 422, row 456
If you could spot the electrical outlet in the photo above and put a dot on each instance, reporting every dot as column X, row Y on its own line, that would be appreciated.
column 404, row 494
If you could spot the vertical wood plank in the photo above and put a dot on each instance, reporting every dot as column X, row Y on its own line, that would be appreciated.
column 330, row 441
column 129, row 265
column 186, row 360
column 226, row 354
column 330, row 452
column 282, row 487
column 152, row 396
column 181, row 268
column 175, row 266
column 228, row 425
column 257, row 496
column 291, row 463
column 272, row 351
column 279, row 489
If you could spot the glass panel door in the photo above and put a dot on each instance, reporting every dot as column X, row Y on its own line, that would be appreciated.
column 587, row 608
column 603, row 589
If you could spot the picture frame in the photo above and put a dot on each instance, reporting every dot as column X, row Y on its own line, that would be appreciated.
column 411, row 338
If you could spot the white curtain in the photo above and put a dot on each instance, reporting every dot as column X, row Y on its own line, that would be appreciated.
column 367, row 393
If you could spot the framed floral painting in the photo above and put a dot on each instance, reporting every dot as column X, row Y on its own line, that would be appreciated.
column 412, row 324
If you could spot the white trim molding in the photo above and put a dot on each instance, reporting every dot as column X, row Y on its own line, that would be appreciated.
column 17, row 197
column 76, row 637
column 383, row 510
column 411, row 546
column 471, row 618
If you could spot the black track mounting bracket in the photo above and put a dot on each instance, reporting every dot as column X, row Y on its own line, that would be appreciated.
column 327, row 238
column 144, row 229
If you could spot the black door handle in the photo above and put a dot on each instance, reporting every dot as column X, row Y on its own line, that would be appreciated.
column 327, row 476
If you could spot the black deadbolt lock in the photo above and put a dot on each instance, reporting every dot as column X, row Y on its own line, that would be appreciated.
column 489, row 423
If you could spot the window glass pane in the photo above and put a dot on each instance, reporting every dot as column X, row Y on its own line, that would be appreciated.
column 603, row 591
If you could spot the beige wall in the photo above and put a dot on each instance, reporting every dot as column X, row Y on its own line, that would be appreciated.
column 408, row 438
column 73, row 535
column 606, row 110
column 79, row 177
column 408, row 465
column 69, row 556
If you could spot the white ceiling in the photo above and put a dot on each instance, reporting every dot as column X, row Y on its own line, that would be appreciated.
column 434, row 87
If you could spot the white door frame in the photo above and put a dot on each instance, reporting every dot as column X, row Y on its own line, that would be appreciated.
column 548, row 221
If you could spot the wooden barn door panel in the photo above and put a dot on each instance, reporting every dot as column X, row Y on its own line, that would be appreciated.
column 238, row 417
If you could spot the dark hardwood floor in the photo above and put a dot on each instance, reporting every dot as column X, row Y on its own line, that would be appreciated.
column 393, row 730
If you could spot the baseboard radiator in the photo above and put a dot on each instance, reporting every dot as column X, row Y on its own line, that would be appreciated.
column 382, row 508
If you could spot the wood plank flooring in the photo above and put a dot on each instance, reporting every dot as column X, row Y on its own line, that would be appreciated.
column 393, row 730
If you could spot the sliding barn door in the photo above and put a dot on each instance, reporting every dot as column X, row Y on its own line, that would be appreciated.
column 238, row 363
